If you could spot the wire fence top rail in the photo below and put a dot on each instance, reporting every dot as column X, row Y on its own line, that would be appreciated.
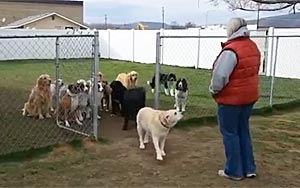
column 208, row 36
column 44, row 36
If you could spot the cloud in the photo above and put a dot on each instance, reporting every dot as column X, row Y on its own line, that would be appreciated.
column 182, row 11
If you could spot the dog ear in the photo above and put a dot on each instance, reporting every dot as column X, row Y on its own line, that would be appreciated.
column 164, row 118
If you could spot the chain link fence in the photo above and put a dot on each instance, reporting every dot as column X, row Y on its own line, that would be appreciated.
column 279, row 82
column 66, row 59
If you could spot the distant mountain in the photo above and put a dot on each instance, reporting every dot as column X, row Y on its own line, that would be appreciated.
column 281, row 21
column 147, row 25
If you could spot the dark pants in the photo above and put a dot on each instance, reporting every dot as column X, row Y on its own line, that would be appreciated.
column 234, row 127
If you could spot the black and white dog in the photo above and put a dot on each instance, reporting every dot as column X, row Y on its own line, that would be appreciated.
column 167, row 80
column 181, row 94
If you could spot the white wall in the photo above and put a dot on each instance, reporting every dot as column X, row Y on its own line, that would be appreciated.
column 140, row 46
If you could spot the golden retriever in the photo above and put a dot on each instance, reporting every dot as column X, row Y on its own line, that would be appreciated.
column 39, row 101
column 129, row 80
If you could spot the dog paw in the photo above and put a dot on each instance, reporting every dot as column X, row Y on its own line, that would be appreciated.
column 67, row 124
column 52, row 109
column 146, row 141
column 152, row 90
column 80, row 118
column 98, row 117
column 48, row 116
column 106, row 110
column 159, row 158
column 24, row 113
column 163, row 153
column 142, row 146
column 41, row 117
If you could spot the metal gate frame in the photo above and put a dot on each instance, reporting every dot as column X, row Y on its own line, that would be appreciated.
column 94, row 78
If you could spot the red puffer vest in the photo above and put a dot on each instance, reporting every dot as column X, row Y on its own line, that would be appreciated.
column 243, row 85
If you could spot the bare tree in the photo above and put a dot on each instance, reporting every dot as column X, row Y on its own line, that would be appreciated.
column 258, row 5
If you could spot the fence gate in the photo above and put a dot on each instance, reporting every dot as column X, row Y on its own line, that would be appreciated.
column 71, row 70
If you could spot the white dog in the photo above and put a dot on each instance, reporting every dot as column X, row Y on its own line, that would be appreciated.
column 156, row 123
column 99, row 96
column 60, row 85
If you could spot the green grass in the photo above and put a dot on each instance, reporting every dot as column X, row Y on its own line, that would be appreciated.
column 18, row 77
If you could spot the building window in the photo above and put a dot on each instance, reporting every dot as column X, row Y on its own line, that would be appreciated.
column 69, row 27
column 53, row 17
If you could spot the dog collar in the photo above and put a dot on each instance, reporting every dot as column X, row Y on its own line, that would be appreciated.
column 164, row 125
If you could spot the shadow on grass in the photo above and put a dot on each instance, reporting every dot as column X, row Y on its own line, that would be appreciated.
column 35, row 153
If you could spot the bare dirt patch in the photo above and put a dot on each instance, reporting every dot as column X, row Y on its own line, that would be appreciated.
column 193, row 157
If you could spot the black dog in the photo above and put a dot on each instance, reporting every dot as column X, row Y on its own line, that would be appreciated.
column 134, row 99
column 117, row 96
column 167, row 80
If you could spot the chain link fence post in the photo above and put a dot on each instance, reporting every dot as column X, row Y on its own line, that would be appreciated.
column 274, row 72
column 157, row 71
column 57, row 76
column 95, row 84
column 198, row 50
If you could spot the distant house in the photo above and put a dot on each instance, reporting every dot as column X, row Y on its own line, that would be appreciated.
column 45, row 21
column 13, row 11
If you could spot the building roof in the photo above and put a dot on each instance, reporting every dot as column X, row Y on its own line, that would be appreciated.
column 66, row 2
column 31, row 19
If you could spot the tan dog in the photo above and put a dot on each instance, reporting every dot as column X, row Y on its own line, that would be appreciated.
column 156, row 123
column 100, row 76
column 106, row 96
column 39, row 101
column 129, row 80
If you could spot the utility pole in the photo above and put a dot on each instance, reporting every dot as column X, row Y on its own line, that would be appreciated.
column 257, row 19
column 163, row 17
column 105, row 21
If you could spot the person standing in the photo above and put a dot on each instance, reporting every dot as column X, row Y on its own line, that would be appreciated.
column 235, row 88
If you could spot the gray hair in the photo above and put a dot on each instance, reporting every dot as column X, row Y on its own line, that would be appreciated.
column 235, row 24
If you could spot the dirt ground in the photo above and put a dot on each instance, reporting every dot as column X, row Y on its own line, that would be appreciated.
column 194, row 155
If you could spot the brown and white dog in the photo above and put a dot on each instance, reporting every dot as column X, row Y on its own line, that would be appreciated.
column 39, row 101
column 69, row 104
column 157, row 124
column 129, row 80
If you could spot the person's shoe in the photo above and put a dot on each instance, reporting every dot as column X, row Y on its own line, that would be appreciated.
column 251, row 175
column 223, row 174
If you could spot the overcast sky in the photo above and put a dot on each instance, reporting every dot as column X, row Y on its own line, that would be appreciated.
column 181, row 11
